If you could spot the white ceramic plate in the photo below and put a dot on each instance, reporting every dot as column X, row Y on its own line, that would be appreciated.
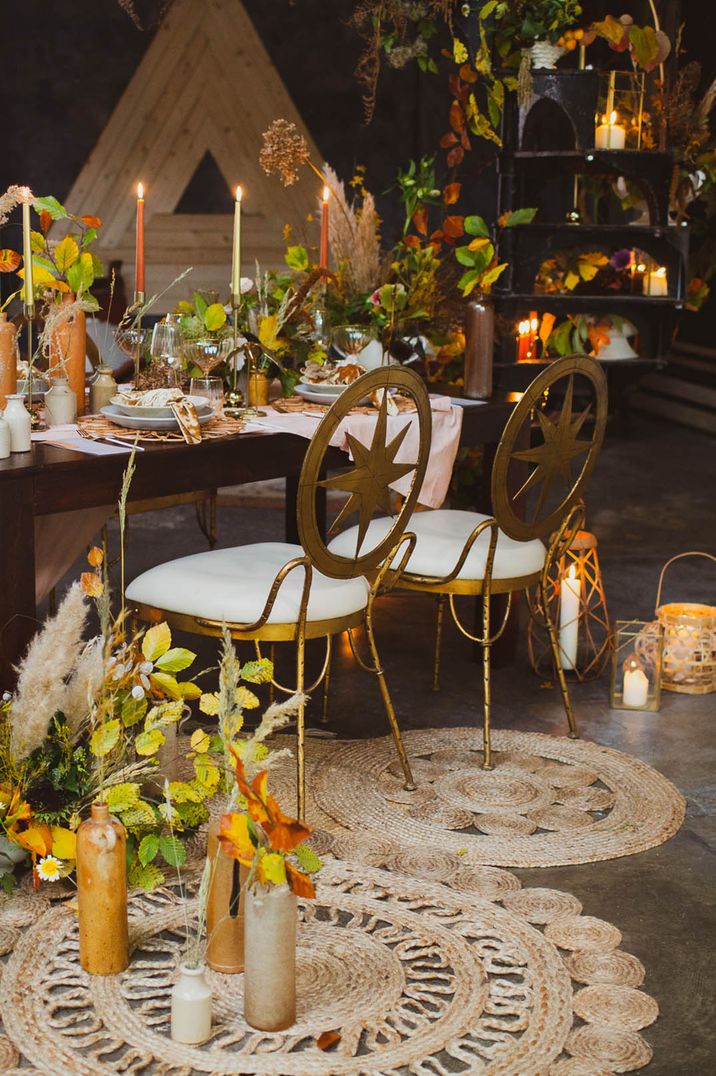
column 308, row 392
column 200, row 403
column 321, row 387
column 136, row 422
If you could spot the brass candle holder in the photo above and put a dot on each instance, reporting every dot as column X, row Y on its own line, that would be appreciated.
column 139, row 300
column 29, row 312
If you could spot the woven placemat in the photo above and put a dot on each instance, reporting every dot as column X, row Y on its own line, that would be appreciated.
column 412, row 975
column 291, row 404
column 91, row 426
column 549, row 801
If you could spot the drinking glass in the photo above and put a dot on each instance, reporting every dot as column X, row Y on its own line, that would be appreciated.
column 211, row 388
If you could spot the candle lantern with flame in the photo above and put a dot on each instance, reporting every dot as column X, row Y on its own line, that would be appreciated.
column 619, row 119
column 578, row 604
column 636, row 665
column 527, row 337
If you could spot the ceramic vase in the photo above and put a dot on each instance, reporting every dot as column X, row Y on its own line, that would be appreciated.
column 479, row 349
column 257, row 392
column 60, row 403
column 8, row 359
column 102, row 893
column 68, row 352
column 545, row 55
column 18, row 419
column 224, row 909
column 191, row 1006
column 4, row 439
column 102, row 388
column 270, row 956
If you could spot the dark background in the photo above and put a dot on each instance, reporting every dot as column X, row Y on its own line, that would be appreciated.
column 67, row 65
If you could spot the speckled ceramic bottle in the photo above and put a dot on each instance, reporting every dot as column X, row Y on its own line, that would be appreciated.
column 102, row 893
column 270, row 957
column 8, row 359
column 225, row 909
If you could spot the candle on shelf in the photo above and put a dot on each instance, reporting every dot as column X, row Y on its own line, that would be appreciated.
column 523, row 341
column 570, row 592
column 27, row 258
column 323, row 254
column 139, row 252
column 636, row 685
column 610, row 134
column 236, row 251
column 656, row 282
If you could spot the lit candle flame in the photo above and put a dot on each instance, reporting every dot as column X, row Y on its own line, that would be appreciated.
column 661, row 271
column 612, row 119
column 534, row 324
column 326, row 194
column 140, row 191
column 239, row 193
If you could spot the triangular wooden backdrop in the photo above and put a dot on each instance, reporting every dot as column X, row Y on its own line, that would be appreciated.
column 205, row 84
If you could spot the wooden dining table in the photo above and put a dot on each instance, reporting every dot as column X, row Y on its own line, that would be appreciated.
column 50, row 480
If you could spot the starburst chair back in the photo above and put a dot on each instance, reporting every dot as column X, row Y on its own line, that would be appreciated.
column 536, row 491
column 274, row 591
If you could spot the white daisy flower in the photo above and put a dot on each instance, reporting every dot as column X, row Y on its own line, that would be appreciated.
column 49, row 869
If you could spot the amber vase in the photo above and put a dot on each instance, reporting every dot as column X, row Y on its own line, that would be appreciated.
column 257, row 389
column 8, row 359
column 479, row 348
column 224, row 909
column 102, row 893
column 270, row 951
column 68, row 352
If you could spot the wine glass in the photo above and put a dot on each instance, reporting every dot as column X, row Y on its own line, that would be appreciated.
column 206, row 354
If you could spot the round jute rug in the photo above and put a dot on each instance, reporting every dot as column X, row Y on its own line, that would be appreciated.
column 410, row 976
column 548, row 801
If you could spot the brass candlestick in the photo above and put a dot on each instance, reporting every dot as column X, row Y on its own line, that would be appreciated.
column 139, row 299
column 29, row 311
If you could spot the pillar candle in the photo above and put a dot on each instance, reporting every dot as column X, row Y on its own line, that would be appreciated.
column 323, row 259
column 570, row 590
column 636, row 686
column 139, row 255
column 27, row 257
column 610, row 134
column 656, row 282
column 523, row 341
column 236, row 250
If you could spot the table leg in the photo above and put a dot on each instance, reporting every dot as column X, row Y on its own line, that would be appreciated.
column 17, row 592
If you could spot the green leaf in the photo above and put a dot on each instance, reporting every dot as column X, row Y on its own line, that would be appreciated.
column 66, row 253
column 173, row 851
column 493, row 274
column 307, row 858
column 207, row 773
column 175, row 660
column 192, row 814
column 465, row 256
column 80, row 276
column 487, row 9
column 156, row 641
column 214, row 317
column 37, row 242
column 122, row 797
column 140, row 816
column 132, row 710
column 105, row 738
column 89, row 237
column 200, row 304
column 476, row 226
column 182, row 792
column 148, row 848
column 520, row 216
column 7, row 883
column 257, row 672
column 148, row 743
column 148, row 877
column 51, row 206
column 297, row 258
column 468, row 281
column 166, row 683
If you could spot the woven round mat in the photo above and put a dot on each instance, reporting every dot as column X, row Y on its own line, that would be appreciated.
column 98, row 426
column 549, row 801
column 412, row 975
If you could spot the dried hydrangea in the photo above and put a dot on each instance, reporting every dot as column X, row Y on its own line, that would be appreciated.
column 284, row 149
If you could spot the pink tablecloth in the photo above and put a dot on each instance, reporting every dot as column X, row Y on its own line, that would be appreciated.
column 447, row 424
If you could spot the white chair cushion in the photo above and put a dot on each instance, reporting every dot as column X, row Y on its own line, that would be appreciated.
column 233, row 585
column 441, row 536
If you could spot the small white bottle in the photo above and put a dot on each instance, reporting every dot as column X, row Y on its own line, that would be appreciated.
column 18, row 419
column 4, row 439
column 191, row 1006
column 60, row 403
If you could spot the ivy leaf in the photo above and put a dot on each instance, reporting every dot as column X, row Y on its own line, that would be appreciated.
column 122, row 797
column 148, row 743
column 214, row 317
column 148, row 848
column 296, row 258
column 175, row 660
column 105, row 738
column 157, row 641
column 148, row 877
column 52, row 206
column 173, row 851
column 476, row 226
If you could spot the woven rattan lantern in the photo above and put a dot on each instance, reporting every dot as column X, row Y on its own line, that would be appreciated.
column 579, row 567
column 689, row 661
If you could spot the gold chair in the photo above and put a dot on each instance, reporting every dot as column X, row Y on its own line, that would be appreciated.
column 471, row 554
column 273, row 591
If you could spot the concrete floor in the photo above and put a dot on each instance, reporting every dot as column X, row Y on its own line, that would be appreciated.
column 650, row 497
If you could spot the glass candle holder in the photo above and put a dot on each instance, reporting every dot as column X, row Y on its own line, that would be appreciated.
column 619, row 120
column 636, row 665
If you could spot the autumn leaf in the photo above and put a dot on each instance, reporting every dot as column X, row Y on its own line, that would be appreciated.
column 200, row 741
column 454, row 227
column 91, row 222
column 271, row 868
column 459, row 52
column 45, row 221
column 92, row 584
column 95, row 556
column 420, row 220
column 457, row 117
column 327, row 1039
column 157, row 641
column 66, row 253
column 299, row 883
column 467, row 74
column 412, row 242
column 236, row 839
column 9, row 260
column 448, row 140
column 546, row 326
column 64, row 842
column 455, row 157
column 452, row 193
column 36, row 838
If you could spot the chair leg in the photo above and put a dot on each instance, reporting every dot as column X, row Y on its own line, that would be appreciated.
column 388, row 704
column 554, row 643
column 438, row 641
column 301, row 728
column 486, row 684
column 327, row 682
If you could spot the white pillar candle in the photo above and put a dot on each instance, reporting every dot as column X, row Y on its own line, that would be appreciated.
column 610, row 134
column 236, row 250
column 636, row 686
column 570, row 591
column 656, row 282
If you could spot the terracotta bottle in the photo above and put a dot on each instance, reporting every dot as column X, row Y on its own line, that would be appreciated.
column 270, row 954
column 68, row 351
column 102, row 893
column 225, row 909
column 8, row 359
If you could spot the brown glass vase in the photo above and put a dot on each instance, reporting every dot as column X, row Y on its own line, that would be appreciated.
column 102, row 893
column 68, row 352
column 270, row 948
column 479, row 349
column 224, row 909
column 257, row 389
column 8, row 359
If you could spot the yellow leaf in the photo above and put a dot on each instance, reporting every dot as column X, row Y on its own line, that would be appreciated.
column 66, row 253
column 459, row 52
column 209, row 704
column 157, row 641
column 235, row 838
column 189, row 690
column 200, row 741
column 271, row 868
column 571, row 280
column 268, row 330
column 64, row 843
column 478, row 244
column 546, row 326
column 246, row 699
column 43, row 278
column 588, row 272
column 92, row 584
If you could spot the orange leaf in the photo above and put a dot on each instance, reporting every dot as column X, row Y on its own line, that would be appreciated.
column 448, row 140
column 95, row 556
column 36, row 838
column 455, row 156
column 457, row 117
column 598, row 337
column 546, row 326
column 412, row 241
column 236, row 839
column 92, row 584
column 452, row 193
column 299, row 883
column 420, row 220
column 284, row 833
column 454, row 227
column 467, row 73
column 92, row 222
column 45, row 221
column 327, row 1039
column 9, row 260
